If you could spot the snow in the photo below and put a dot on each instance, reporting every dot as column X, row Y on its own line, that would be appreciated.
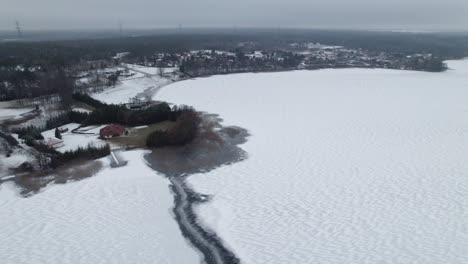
column 345, row 166
column 82, row 110
column 73, row 141
column 149, row 70
column 127, row 89
column 8, row 110
column 16, row 158
column 120, row 215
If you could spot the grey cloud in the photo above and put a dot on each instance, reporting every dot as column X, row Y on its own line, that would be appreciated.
column 367, row 14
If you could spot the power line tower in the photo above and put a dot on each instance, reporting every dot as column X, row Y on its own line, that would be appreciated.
column 120, row 28
column 18, row 29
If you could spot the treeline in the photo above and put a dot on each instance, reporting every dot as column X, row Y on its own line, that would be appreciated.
column 31, row 82
column 88, row 100
column 120, row 114
column 88, row 153
column 49, row 158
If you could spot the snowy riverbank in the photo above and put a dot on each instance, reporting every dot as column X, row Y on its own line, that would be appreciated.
column 119, row 215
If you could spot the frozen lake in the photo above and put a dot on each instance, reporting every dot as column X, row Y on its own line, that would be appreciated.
column 345, row 166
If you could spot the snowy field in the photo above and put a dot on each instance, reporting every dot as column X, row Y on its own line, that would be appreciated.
column 149, row 70
column 127, row 89
column 118, row 216
column 345, row 166
column 9, row 110
column 73, row 141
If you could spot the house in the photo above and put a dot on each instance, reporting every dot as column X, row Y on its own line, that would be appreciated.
column 111, row 131
column 137, row 103
column 54, row 143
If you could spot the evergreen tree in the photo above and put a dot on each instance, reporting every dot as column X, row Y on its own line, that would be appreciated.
column 57, row 134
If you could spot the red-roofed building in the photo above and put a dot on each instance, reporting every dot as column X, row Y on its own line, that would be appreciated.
column 54, row 143
column 111, row 131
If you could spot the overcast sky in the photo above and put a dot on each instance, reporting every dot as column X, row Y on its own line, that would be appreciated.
column 362, row 14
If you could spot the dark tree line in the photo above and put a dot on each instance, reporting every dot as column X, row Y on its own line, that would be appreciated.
column 88, row 153
column 183, row 132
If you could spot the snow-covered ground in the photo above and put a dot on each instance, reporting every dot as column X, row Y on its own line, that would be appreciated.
column 17, row 157
column 73, row 141
column 9, row 110
column 80, row 109
column 345, row 166
column 120, row 215
column 127, row 89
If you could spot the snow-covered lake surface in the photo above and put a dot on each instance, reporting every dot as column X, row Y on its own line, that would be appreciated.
column 345, row 166
column 120, row 215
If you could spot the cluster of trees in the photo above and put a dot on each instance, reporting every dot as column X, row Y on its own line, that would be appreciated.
column 48, row 157
column 183, row 132
column 29, row 134
column 121, row 115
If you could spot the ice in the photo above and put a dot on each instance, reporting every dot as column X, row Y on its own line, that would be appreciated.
column 345, row 166
column 120, row 215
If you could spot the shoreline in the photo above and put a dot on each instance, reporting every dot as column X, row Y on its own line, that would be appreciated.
column 214, row 146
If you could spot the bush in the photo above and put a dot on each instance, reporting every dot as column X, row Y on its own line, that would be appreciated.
column 30, row 133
